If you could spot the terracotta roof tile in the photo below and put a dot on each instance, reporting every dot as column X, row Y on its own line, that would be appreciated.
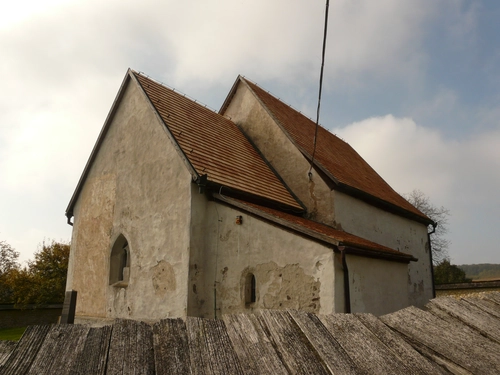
column 214, row 145
column 343, row 238
column 332, row 153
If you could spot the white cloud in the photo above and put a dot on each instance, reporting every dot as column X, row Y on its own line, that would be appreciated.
column 460, row 175
column 63, row 60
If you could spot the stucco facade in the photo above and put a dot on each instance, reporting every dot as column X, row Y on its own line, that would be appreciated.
column 396, row 232
column 259, row 125
column 164, row 226
column 291, row 271
column 137, row 187
column 327, row 205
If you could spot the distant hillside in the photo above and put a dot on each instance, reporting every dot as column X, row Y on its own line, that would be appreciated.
column 481, row 271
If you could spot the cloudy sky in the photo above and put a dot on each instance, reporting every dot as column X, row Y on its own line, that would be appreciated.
column 413, row 86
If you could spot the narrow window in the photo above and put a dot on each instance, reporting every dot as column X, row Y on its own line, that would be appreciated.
column 119, row 262
column 250, row 289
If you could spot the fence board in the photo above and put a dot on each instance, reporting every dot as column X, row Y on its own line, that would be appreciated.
column 171, row 347
column 486, row 305
column 131, row 349
column 24, row 353
column 468, row 314
column 6, row 347
column 252, row 346
column 364, row 348
column 59, row 350
column 292, row 345
column 493, row 296
column 456, row 346
column 210, row 348
column 330, row 351
column 92, row 359
column 412, row 358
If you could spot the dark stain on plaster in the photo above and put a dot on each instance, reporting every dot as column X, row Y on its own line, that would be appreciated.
column 314, row 209
column 287, row 287
column 226, row 236
column 163, row 278
column 224, row 273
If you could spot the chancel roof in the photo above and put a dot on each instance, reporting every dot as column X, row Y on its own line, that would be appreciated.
column 353, row 244
column 335, row 157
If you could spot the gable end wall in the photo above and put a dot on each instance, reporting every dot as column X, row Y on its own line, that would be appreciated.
column 249, row 114
column 137, row 186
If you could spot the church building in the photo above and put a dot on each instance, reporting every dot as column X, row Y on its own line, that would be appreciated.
column 183, row 211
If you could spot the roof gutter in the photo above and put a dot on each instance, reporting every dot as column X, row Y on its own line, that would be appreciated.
column 357, row 250
column 350, row 248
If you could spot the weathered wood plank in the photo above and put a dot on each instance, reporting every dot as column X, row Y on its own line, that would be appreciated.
column 468, row 314
column 330, row 351
column 171, row 347
column 252, row 346
column 210, row 348
column 6, row 347
column 493, row 296
column 412, row 358
column 131, row 349
column 92, row 359
column 364, row 348
column 485, row 304
column 456, row 346
column 60, row 348
column 296, row 351
column 26, row 350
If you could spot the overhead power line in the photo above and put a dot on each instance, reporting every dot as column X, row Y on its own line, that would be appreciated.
column 320, row 86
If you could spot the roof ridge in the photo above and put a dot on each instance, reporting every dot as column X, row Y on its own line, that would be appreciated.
column 167, row 86
column 291, row 106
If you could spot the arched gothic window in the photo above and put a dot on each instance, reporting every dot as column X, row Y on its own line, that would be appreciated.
column 119, row 264
column 250, row 289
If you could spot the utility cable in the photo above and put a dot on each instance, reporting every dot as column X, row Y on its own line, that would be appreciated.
column 320, row 87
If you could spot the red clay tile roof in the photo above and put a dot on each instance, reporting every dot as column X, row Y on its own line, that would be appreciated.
column 214, row 145
column 337, row 157
column 324, row 232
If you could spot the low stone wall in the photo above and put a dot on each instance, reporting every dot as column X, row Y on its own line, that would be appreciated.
column 11, row 317
column 467, row 289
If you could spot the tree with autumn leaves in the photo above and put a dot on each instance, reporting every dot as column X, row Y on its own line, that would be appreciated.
column 41, row 282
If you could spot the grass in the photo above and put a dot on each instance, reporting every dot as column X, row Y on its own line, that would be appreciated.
column 12, row 334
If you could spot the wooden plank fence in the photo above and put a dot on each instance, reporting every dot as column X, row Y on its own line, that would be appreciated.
column 450, row 337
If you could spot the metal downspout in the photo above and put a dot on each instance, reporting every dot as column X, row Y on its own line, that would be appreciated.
column 434, row 225
column 347, row 292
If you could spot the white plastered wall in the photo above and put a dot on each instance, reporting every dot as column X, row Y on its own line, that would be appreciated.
column 137, row 186
column 291, row 271
column 247, row 112
column 395, row 232
column 377, row 286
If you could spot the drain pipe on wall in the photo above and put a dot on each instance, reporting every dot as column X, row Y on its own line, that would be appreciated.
column 219, row 220
column 347, row 291
column 434, row 225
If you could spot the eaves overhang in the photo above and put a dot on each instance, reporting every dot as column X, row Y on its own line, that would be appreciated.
column 361, row 247
column 129, row 77
column 331, row 180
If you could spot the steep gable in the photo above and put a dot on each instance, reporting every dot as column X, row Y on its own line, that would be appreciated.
column 215, row 146
column 339, row 162
column 211, row 146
